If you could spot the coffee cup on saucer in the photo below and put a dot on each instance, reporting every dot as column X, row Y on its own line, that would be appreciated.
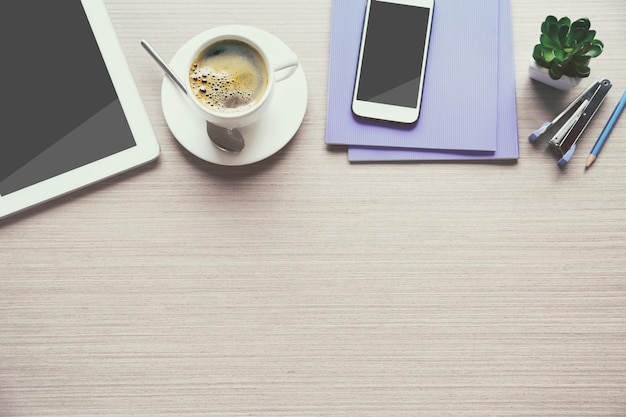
column 278, row 123
column 231, row 78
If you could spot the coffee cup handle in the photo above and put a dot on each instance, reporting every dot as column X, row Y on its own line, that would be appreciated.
column 285, row 66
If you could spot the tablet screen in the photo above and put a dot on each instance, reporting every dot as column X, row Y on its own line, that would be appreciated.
column 61, row 108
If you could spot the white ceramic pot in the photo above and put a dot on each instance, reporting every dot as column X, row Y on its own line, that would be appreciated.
column 541, row 74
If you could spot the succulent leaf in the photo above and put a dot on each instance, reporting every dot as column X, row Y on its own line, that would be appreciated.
column 583, row 23
column 583, row 48
column 556, row 71
column 553, row 32
column 563, row 30
column 547, row 42
column 560, row 54
column 581, row 59
column 594, row 51
column 565, row 21
column 578, row 34
column 548, row 55
column 538, row 54
column 582, row 70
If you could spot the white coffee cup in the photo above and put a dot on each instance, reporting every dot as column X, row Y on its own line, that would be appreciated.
column 223, row 101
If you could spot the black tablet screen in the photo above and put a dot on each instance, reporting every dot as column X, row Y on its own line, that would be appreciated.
column 60, row 109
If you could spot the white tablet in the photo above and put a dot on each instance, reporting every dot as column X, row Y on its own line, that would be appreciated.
column 71, row 112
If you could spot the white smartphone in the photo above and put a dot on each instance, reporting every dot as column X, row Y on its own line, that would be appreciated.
column 392, row 59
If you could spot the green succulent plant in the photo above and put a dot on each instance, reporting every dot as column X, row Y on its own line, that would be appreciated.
column 566, row 48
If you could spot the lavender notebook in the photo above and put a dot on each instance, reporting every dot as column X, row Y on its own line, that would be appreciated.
column 459, row 102
column 507, row 145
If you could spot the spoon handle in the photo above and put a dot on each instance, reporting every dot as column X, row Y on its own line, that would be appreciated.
column 163, row 65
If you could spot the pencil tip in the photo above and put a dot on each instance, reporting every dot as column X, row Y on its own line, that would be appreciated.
column 590, row 160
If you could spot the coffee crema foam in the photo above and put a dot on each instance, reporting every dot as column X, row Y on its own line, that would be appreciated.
column 229, row 76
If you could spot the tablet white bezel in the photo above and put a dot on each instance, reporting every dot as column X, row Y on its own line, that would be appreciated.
column 145, row 150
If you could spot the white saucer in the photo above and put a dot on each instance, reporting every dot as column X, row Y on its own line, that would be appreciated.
column 263, row 138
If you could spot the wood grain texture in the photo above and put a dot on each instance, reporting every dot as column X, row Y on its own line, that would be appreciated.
column 307, row 286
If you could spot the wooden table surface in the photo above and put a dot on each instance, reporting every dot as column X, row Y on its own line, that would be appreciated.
column 308, row 286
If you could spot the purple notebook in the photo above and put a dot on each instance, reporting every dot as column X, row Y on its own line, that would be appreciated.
column 459, row 102
column 507, row 145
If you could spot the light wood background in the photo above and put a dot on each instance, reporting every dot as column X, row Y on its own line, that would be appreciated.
column 307, row 286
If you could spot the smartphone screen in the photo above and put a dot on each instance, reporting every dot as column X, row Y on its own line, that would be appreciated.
column 392, row 54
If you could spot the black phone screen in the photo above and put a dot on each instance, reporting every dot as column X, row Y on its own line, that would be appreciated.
column 393, row 54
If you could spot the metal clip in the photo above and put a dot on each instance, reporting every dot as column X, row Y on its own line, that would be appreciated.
column 566, row 128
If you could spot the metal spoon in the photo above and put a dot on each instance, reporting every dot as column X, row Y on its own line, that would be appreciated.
column 229, row 140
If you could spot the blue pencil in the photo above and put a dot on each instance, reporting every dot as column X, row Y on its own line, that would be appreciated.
column 606, row 131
